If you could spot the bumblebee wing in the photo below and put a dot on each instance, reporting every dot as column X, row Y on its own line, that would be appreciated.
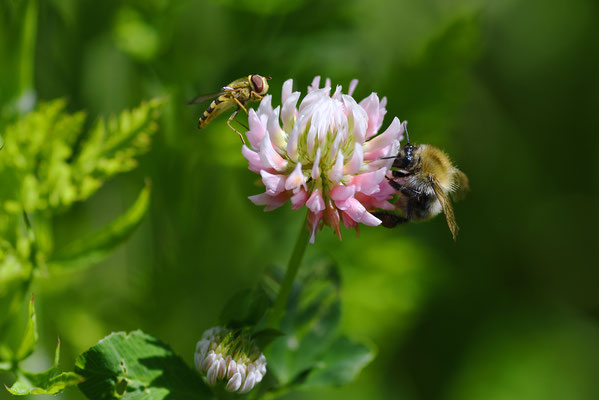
column 205, row 97
column 446, row 206
column 461, row 185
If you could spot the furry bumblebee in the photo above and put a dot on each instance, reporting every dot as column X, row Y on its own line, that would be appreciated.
column 425, row 179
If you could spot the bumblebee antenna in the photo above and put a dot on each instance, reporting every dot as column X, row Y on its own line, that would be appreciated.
column 407, row 133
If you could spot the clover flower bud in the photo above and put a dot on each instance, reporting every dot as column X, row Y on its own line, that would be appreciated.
column 229, row 358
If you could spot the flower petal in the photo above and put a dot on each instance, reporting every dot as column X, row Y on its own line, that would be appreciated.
column 356, row 211
column 274, row 183
column 269, row 157
column 355, row 163
column 289, row 111
column 369, row 182
column 378, row 145
column 265, row 107
column 315, row 84
column 352, row 86
column 277, row 137
column 271, row 202
column 296, row 178
column 342, row 192
column 316, row 165
column 257, row 129
column 299, row 199
column 313, row 223
column 315, row 203
column 234, row 383
column 287, row 89
column 254, row 163
column 336, row 172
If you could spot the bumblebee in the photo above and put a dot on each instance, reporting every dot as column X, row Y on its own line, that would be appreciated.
column 425, row 179
column 236, row 93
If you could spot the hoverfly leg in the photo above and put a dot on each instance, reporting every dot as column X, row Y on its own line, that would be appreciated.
column 240, row 104
column 231, row 126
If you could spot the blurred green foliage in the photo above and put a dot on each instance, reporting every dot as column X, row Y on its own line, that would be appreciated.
column 509, row 89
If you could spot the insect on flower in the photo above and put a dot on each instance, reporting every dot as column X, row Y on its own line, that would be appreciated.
column 237, row 93
column 425, row 178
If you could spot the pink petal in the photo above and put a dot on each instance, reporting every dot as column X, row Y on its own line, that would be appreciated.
column 383, row 141
column 255, row 165
column 257, row 129
column 271, row 202
column 327, row 82
column 269, row 157
column 368, row 183
column 342, row 193
column 316, row 165
column 287, row 89
column 296, row 178
column 299, row 199
column 315, row 84
column 277, row 137
column 274, row 183
column 356, row 211
column 313, row 222
column 371, row 106
column 355, row 163
column 356, row 117
column 289, row 111
column 315, row 203
column 336, row 172
column 265, row 107
column 352, row 86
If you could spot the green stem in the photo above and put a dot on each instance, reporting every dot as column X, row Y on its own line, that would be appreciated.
column 290, row 274
column 27, row 55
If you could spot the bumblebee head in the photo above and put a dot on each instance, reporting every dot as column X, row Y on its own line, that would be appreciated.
column 406, row 157
column 259, row 84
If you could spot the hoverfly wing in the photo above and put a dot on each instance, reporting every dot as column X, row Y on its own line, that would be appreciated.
column 205, row 97
column 447, row 208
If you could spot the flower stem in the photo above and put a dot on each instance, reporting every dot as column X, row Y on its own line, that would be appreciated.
column 291, row 272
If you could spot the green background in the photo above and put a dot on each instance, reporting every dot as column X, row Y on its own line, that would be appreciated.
column 509, row 88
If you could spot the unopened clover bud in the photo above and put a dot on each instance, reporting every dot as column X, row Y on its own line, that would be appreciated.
column 229, row 358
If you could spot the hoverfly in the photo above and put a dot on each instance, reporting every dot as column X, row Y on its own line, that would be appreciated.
column 238, row 92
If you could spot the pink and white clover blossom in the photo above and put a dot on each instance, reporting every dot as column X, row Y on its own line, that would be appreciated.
column 324, row 155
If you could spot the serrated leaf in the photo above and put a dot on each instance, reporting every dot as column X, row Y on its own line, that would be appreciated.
column 339, row 364
column 94, row 247
column 137, row 366
column 53, row 385
column 30, row 337
column 245, row 308
column 46, row 382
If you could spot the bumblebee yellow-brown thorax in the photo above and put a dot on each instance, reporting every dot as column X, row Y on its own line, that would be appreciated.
column 434, row 163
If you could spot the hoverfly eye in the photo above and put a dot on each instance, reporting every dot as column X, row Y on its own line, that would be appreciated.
column 257, row 81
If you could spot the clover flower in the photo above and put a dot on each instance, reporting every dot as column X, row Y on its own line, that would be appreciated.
column 325, row 155
column 223, row 355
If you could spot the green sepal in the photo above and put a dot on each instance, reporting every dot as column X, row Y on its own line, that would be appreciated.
column 94, row 247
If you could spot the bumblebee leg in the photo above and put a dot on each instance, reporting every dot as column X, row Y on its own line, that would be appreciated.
column 231, row 126
column 394, row 185
column 390, row 220
column 240, row 104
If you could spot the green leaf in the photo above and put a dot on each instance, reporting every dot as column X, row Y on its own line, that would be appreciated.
column 94, row 247
column 245, row 308
column 54, row 385
column 264, row 337
column 30, row 337
column 134, row 366
column 46, row 382
column 310, row 326
column 340, row 364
